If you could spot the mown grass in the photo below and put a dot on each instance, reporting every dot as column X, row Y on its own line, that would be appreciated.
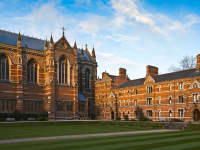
column 180, row 140
column 45, row 129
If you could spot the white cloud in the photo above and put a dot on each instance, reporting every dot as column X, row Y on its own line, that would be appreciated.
column 83, row 1
column 122, row 37
column 130, row 9
column 114, row 59
column 158, row 23
column 93, row 25
column 42, row 21
column 177, row 25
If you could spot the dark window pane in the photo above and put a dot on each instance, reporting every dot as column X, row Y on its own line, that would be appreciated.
column 66, row 73
column 63, row 68
column 3, row 68
column 35, row 73
column 0, row 67
column 59, row 72
column 7, row 70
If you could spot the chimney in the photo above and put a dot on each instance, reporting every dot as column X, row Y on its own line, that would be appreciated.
column 198, row 63
column 151, row 70
column 122, row 72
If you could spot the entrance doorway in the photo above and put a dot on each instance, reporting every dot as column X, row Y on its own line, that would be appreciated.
column 196, row 115
column 112, row 115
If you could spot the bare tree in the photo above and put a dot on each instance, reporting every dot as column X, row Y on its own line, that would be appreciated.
column 187, row 62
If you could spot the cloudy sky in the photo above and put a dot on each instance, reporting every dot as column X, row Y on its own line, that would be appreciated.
column 125, row 33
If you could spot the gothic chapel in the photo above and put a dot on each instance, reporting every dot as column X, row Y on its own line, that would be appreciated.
column 39, row 75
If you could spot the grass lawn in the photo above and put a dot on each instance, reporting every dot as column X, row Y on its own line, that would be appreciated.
column 44, row 129
column 180, row 140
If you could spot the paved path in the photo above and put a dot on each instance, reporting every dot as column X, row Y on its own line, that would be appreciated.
column 81, row 136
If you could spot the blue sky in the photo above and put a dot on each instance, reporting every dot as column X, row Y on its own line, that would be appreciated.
column 125, row 33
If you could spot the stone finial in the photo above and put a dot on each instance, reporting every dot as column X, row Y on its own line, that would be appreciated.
column 75, row 46
column 93, row 52
column 45, row 44
column 19, row 37
column 19, row 40
column 51, row 44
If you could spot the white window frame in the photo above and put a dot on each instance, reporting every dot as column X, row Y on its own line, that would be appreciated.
column 159, row 88
column 135, row 103
column 181, row 86
column 195, row 97
column 170, row 100
column 159, row 100
column 170, row 87
column 181, row 102
column 182, row 112
column 170, row 113
column 149, row 101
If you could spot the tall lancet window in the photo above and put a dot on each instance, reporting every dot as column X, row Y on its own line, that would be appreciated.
column 32, row 72
column 64, row 71
column 87, row 79
column 4, row 68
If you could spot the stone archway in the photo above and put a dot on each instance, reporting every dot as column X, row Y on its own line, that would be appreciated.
column 112, row 115
column 196, row 115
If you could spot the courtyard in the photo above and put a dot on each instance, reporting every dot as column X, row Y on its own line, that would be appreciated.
column 148, row 139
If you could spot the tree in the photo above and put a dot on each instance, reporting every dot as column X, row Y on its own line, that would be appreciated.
column 140, row 114
column 187, row 62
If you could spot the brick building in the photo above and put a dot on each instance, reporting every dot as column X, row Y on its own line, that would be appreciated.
column 161, row 96
column 39, row 75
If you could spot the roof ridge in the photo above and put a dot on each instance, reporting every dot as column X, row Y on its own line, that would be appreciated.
column 176, row 71
column 21, row 35
column 164, row 74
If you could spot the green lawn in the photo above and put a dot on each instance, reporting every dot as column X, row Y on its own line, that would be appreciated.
column 44, row 129
column 180, row 140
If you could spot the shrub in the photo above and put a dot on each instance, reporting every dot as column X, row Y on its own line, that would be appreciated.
column 140, row 114
column 176, row 120
column 126, row 117
column 24, row 116
column 118, row 118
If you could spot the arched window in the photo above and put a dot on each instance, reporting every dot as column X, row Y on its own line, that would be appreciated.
column 4, row 68
column 32, row 72
column 87, row 79
column 64, row 72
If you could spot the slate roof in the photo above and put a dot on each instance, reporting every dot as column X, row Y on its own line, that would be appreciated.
column 163, row 77
column 11, row 38
column 34, row 43
column 132, row 83
column 82, row 55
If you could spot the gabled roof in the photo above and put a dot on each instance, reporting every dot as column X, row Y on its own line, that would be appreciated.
column 163, row 77
column 37, row 44
column 30, row 42
column 177, row 75
column 63, row 41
